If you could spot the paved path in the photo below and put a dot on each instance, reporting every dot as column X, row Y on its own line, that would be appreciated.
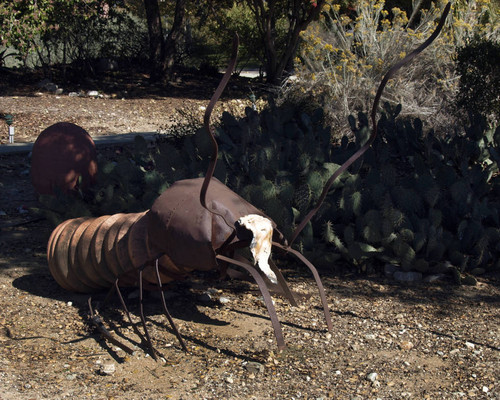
column 98, row 140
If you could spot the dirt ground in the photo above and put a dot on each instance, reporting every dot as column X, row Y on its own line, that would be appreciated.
column 390, row 340
column 120, row 104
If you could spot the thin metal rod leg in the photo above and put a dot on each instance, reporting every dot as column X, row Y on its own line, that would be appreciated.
column 281, row 280
column 284, row 286
column 143, row 319
column 319, row 284
column 99, row 325
column 165, row 309
column 127, row 313
column 110, row 293
column 265, row 294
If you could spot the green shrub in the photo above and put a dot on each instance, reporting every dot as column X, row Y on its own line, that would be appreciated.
column 479, row 71
column 343, row 58
column 420, row 202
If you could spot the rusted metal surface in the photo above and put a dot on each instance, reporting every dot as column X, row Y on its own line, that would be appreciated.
column 62, row 154
column 189, row 233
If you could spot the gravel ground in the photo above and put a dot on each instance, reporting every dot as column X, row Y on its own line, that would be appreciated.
column 390, row 340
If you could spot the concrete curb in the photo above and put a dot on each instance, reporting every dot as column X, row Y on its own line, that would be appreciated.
column 104, row 140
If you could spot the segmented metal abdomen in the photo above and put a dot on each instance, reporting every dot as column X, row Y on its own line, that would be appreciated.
column 88, row 254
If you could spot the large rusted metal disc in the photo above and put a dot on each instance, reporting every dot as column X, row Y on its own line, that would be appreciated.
column 83, row 251
column 138, row 251
column 61, row 154
column 61, row 257
column 53, row 268
column 97, row 252
column 128, row 276
column 108, row 244
column 82, row 271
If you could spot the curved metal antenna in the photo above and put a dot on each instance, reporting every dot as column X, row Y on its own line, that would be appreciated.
column 367, row 145
column 206, row 121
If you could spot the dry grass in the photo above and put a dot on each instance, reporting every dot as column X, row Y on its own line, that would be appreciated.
column 343, row 60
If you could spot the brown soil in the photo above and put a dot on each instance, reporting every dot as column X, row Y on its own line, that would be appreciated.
column 426, row 341
column 125, row 104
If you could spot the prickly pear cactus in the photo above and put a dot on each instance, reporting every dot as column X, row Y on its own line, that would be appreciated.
column 422, row 203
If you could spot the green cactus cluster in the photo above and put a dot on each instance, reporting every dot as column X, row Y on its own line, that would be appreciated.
column 423, row 203
column 279, row 160
column 417, row 201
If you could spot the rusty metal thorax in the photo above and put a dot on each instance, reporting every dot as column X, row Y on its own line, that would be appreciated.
column 191, row 235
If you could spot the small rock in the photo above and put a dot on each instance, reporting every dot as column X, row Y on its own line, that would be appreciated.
column 69, row 303
column 389, row 270
column 469, row 280
column 406, row 345
column 254, row 367
column 433, row 278
column 92, row 93
column 213, row 291
column 485, row 389
column 470, row 345
column 224, row 300
column 370, row 336
column 372, row 376
column 229, row 380
column 44, row 82
column 59, row 91
column 73, row 94
column 71, row 377
column 108, row 369
column 51, row 87
column 411, row 276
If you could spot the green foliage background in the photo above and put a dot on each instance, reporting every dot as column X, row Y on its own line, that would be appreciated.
column 417, row 201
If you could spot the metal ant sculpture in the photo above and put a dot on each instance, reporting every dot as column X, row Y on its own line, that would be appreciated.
column 196, row 224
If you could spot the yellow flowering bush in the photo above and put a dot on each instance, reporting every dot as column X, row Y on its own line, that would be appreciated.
column 349, row 54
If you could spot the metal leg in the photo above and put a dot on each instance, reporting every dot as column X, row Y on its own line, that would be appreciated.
column 143, row 319
column 265, row 294
column 281, row 280
column 127, row 313
column 284, row 286
column 165, row 309
column 99, row 325
column 314, row 271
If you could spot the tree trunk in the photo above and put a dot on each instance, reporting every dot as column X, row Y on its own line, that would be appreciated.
column 156, row 42
column 300, row 14
column 175, row 34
